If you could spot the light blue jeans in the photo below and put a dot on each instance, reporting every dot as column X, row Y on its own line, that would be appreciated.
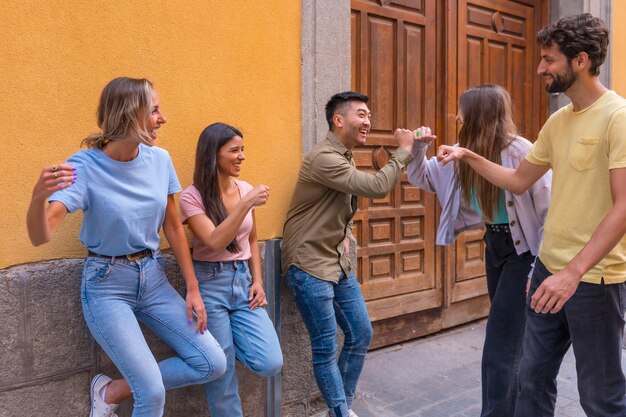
column 117, row 293
column 245, row 334
column 323, row 305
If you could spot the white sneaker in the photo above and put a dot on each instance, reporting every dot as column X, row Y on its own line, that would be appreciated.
column 98, row 407
column 352, row 413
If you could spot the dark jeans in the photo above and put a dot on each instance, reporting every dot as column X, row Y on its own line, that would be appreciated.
column 323, row 305
column 507, row 274
column 592, row 321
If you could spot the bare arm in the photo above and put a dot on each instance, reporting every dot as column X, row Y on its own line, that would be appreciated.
column 256, row 295
column 558, row 288
column 175, row 234
column 218, row 238
column 43, row 219
column 514, row 180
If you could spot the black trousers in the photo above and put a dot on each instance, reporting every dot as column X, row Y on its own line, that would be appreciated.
column 507, row 275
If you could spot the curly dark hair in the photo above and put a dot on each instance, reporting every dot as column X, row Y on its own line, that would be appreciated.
column 337, row 103
column 575, row 34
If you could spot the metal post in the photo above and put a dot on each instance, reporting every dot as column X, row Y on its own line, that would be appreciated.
column 273, row 389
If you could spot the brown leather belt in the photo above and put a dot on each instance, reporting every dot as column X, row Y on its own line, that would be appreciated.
column 131, row 256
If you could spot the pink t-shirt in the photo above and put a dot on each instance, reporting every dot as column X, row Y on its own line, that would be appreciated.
column 191, row 205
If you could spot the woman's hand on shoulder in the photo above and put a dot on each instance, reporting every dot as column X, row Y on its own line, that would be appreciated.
column 54, row 178
column 256, row 296
column 258, row 195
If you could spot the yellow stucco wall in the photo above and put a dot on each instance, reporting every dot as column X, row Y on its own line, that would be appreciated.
column 231, row 61
column 618, row 70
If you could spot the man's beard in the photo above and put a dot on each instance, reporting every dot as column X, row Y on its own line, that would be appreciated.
column 561, row 83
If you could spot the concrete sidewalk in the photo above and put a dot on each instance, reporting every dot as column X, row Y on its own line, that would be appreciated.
column 439, row 376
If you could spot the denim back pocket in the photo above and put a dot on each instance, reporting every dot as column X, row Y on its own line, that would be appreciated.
column 96, row 270
column 584, row 154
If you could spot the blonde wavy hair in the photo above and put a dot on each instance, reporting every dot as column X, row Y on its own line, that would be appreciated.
column 120, row 103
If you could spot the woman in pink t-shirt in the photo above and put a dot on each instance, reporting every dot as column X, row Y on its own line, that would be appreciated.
column 219, row 211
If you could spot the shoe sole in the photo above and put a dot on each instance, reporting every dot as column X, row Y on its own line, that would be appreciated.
column 91, row 393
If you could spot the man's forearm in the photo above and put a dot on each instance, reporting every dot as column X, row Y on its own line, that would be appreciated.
column 496, row 174
column 376, row 185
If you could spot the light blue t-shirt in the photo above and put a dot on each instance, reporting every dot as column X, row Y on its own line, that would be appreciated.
column 123, row 203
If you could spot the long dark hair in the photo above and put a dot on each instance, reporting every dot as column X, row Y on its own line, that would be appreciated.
column 487, row 129
column 205, row 174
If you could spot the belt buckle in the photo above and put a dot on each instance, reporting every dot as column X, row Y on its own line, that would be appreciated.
column 135, row 256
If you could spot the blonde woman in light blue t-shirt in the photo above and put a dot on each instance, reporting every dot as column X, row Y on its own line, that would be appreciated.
column 124, row 186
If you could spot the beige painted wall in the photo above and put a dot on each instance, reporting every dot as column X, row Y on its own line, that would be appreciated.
column 618, row 70
column 232, row 61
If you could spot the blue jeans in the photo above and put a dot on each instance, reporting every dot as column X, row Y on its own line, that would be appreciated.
column 116, row 294
column 246, row 334
column 507, row 274
column 592, row 321
column 323, row 305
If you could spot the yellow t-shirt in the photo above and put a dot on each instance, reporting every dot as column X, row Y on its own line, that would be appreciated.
column 581, row 147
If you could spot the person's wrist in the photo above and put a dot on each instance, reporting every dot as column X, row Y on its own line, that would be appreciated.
column 38, row 198
column 467, row 154
column 575, row 271
column 247, row 201
column 407, row 147
column 420, row 144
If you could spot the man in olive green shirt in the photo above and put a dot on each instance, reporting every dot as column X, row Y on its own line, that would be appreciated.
column 316, row 241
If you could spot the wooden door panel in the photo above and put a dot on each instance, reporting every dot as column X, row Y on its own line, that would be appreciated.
column 396, row 258
column 502, row 34
column 381, row 73
column 412, row 302
column 495, row 45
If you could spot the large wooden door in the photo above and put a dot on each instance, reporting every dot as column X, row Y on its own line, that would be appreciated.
column 393, row 47
column 494, row 43
column 414, row 58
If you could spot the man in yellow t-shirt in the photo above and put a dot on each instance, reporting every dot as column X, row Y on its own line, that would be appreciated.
column 577, row 293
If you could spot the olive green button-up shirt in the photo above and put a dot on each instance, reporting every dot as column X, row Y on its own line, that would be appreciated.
column 324, row 202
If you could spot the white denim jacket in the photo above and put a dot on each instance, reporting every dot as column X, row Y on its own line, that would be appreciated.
column 526, row 212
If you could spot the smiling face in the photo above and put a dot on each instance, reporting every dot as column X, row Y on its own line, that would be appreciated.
column 154, row 119
column 353, row 123
column 230, row 156
column 556, row 70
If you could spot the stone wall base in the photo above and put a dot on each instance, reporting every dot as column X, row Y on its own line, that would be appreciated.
column 48, row 356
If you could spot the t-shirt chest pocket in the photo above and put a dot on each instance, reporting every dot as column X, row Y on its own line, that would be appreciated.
column 585, row 153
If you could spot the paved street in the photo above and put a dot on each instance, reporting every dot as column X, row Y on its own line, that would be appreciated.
column 439, row 376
